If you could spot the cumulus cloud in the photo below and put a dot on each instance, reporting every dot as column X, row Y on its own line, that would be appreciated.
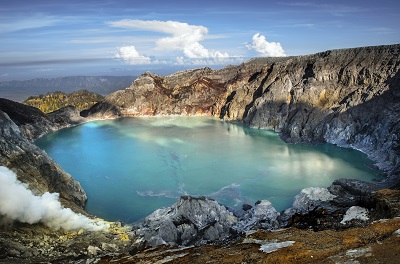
column 265, row 48
column 19, row 203
column 131, row 55
column 182, row 36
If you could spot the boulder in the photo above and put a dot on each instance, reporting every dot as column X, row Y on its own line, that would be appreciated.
column 310, row 205
column 190, row 221
column 262, row 216
column 355, row 213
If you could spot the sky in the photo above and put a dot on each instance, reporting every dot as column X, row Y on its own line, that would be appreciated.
column 50, row 38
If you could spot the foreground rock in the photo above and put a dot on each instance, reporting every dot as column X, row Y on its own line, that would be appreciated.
column 261, row 216
column 201, row 220
column 375, row 243
column 23, row 243
column 191, row 221
column 357, row 237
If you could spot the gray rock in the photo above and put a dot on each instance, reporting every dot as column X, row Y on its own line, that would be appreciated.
column 355, row 212
column 262, row 216
column 192, row 220
column 311, row 198
column 93, row 250
column 274, row 246
column 310, row 203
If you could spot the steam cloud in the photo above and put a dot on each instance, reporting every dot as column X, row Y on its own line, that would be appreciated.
column 267, row 49
column 19, row 203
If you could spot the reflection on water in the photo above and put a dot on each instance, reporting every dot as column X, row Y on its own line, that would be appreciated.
column 131, row 166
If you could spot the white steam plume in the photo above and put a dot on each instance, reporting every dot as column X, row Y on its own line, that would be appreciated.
column 19, row 203
column 267, row 49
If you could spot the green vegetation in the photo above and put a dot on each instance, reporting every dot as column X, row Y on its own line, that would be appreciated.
column 53, row 101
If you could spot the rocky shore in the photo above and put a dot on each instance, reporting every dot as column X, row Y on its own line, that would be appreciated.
column 346, row 97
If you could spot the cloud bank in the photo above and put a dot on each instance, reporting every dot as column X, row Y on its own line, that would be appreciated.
column 182, row 36
column 19, row 203
column 265, row 48
column 187, row 39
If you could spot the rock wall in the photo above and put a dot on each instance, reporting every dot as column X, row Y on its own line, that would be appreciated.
column 34, row 123
column 19, row 124
column 346, row 97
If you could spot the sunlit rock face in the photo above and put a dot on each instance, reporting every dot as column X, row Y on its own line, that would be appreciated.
column 192, row 92
column 348, row 97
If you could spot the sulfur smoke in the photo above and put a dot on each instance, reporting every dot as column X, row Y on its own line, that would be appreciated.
column 19, row 203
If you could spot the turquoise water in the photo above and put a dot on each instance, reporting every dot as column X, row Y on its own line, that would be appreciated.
column 131, row 166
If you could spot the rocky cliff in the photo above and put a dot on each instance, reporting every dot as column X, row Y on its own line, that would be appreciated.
column 19, row 124
column 348, row 97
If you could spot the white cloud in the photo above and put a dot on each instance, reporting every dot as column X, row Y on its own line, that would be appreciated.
column 182, row 37
column 132, row 56
column 267, row 49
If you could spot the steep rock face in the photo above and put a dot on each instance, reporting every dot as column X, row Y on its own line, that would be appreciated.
column 346, row 97
column 30, row 163
column 34, row 123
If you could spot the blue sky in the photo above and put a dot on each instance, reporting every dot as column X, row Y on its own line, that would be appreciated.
column 43, row 38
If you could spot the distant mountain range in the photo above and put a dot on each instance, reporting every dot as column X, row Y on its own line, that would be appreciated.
column 20, row 90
